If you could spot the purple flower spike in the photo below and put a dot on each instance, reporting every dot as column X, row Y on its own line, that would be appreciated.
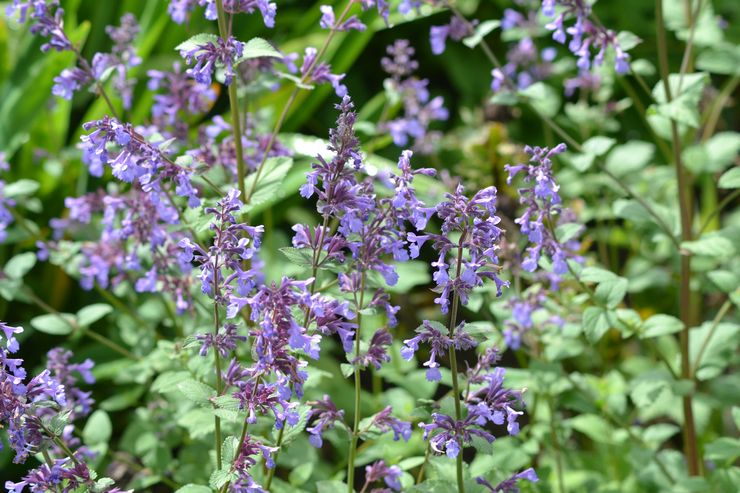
column 206, row 56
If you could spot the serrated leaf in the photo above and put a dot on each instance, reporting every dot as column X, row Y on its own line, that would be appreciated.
column 710, row 245
column 730, row 179
column 599, row 145
column 596, row 274
column 630, row 157
column 19, row 265
column 723, row 449
column 98, row 428
column 268, row 189
column 197, row 40
column 595, row 427
column 660, row 325
column 196, row 391
column 168, row 381
column 595, row 323
column 568, row 231
column 92, row 313
column 727, row 281
column 220, row 477
column 330, row 486
column 612, row 292
column 299, row 475
column 298, row 256
column 194, row 488
column 59, row 325
column 543, row 98
column 258, row 48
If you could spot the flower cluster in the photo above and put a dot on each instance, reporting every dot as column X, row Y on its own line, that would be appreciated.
column 585, row 34
column 486, row 401
column 207, row 56
column 6, row 216
column 38, row 415
column 542, row 204
column 433, row 334
column 179, row 96
column 525, row 64
column 522, row 309
column 476, row 222
column 180, row 10
column 420, row 111
column 457, row 29
column 379, row 471
column 329, row 21
column 509, row 485
column 222, row 270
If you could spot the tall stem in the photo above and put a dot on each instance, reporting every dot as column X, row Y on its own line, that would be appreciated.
column 217, row 359
column 234, row 104
column 684, row 200
column 315, row 258
column 284, row 113
column 453, row 363
column 358, row 383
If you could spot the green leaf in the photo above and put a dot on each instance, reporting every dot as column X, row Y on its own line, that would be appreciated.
column 331, row 487
column 92, row 313
column 598, row 146
column 98, row 428
column 54, row 324
column 196, row 391
column 710, row 245
column 723, row 449
column 21, row 188
column 595, row 323
column 18, row 266
column 646, row 392
column 543, row 98
column 730, row 179
column 568, row 231
column 612, row 292
column 268, row 189
column 168, row 381
column 299, row 475
column 220, row 477
column 481, row 31
column 727, row 281
column 229, row 449
column 720, row 59
column 596, row 274
column 194, row 488
column 684, row 105
column 298, row 256
column 595, row 427
column 630, row 157
column 258, row 48
column 347, row 370
column 195, row 41
column 628, row 40
column 660, row 325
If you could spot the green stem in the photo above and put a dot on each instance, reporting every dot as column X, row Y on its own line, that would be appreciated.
column 715, row 323
column 684, row 199
column 315, row 258
column 556, row 446
column 453, row 365
column 89, row 333
column 291, row 99
column 217, row 359
column 358, row 389
column 234, row 104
